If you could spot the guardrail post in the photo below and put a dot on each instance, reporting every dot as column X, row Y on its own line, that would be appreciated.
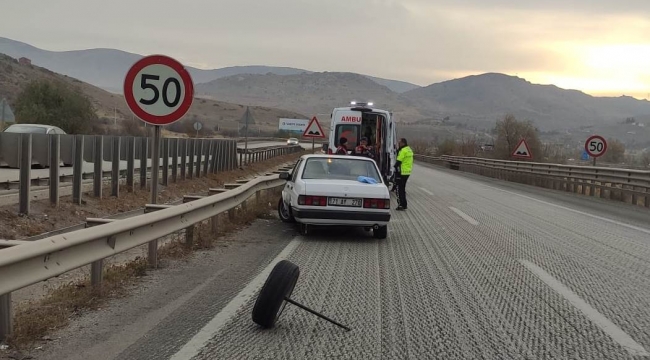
column 98, row 163
column 96, row 273
column 144, row 151
column 77, row 169
column 191, row 152
column 165, row 160
column 215, row 154
column 55, row 160
column 174, row 155
column 199, row 156
column 115, row 171
column 6, row 317
column 183, row 155
column 241, row 158
column 130, row 163
column 25, row 172
column 207, row 149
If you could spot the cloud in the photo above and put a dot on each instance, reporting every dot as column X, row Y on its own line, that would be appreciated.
column 421, row 41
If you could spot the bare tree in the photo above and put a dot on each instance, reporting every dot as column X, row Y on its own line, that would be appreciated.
column 510, row 131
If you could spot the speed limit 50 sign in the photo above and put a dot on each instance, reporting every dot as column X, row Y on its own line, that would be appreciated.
column 158, row 89
column 596, row 146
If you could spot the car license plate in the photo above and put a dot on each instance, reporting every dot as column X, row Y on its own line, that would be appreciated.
column 344, row 202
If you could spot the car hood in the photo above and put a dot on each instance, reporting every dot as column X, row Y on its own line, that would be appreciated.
column 345, row 188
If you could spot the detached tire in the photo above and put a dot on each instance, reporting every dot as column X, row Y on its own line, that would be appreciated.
column 284, row 212
column 278, row 286
column 380, row 233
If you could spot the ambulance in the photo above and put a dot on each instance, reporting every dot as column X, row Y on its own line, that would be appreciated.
column 364, row 120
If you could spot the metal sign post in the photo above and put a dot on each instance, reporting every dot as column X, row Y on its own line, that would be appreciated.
column 596, row 146
column 159, row 91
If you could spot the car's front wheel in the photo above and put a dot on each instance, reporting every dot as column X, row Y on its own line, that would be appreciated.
column 380, row 233
column 284, row 212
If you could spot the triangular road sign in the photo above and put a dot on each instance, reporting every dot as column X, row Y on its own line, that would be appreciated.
column 313, row 129
column 522, row 150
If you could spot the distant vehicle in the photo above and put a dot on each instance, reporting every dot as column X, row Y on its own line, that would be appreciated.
column 34, row 129
column 328, row 190
column 293, row 141
column 364, row 120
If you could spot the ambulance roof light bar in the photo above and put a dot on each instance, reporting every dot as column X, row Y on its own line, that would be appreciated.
column 356, row 103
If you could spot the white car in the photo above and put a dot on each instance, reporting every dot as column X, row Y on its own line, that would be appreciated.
column 293, row 141
column 34, row 129
column 335, row 190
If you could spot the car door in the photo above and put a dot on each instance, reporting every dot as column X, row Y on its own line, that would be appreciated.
column 288, row 193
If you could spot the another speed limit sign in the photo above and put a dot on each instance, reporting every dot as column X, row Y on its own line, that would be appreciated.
column 596, row 146
column 158, row 89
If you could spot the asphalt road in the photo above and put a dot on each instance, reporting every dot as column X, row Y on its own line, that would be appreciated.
column 474, row 269
column 10, row 175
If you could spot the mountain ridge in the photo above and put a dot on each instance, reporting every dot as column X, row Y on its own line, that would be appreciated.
column 103, row 67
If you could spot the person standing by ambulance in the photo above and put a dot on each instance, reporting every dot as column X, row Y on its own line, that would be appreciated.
column 405, row 165
column 342, row 149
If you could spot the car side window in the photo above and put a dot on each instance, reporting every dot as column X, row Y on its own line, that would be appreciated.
column 294, row 172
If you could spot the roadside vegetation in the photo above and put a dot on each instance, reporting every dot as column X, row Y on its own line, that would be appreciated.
column 506, row 135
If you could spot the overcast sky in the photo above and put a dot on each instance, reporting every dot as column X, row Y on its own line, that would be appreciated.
column 598, row 46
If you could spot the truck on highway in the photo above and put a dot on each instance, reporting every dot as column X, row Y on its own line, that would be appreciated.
column 363, row 120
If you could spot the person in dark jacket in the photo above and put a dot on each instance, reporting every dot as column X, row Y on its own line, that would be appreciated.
column 342, row 149
column 364, row 150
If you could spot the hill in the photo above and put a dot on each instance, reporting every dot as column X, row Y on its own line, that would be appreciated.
column 14, row 77
column 305, row 93
column 483, row 98
column 106, row 68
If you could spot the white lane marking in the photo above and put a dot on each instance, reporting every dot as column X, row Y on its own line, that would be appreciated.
column 647, row 231
column 202, row 338
column 426, row 191
column 611, row 329
column 468, row 218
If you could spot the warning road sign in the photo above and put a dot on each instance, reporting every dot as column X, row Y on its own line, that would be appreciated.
column 158, row 89
column 522, row 150
column 313, row 130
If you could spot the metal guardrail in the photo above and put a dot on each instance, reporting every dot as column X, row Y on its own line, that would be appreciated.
column 184, row 157
column 627, row 185
column 27, row 262
column 255, row 155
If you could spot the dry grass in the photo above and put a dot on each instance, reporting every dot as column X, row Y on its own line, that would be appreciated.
column 36, row 319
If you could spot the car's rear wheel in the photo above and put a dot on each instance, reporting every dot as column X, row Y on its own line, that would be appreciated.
column 381, row 232
column 284, row 212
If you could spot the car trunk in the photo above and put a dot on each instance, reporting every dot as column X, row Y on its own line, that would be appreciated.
column 345, row 188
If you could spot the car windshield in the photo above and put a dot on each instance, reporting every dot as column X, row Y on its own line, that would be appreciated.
column 340, row 169
column 26, row 129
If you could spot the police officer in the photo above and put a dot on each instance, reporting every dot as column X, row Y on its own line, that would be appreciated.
column 405, row 165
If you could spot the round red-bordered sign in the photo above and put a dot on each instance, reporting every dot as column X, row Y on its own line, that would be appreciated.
column 162, row 73
column 596, row 146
